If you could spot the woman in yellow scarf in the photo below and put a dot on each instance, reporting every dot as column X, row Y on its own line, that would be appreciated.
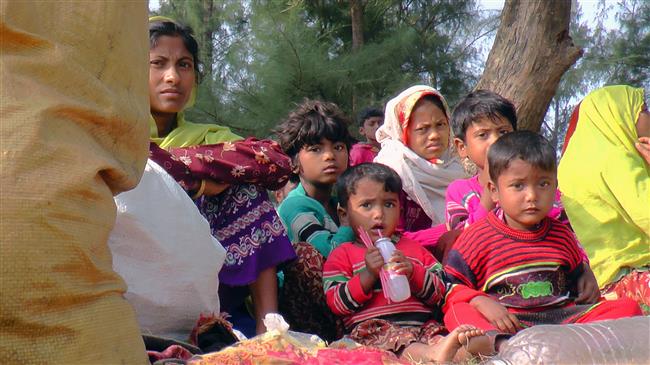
column 605, row 184
column 241, row 217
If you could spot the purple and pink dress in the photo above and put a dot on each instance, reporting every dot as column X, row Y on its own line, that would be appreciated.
column 242, row 217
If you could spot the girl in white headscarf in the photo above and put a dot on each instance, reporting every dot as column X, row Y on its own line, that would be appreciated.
column 415, row 142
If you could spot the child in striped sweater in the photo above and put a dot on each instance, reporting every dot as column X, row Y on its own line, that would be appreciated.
column 530, row 263
column 478, row 121
column 369, row 200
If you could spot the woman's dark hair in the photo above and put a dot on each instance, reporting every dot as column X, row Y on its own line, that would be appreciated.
column 161, row 28
column 434, row 99
column 527, row 146
column 347, row 183
column 481, row 104
column 368, row 113
column 309, row 123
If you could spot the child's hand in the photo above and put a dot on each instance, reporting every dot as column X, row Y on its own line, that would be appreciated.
column 587, row 285
column 643, row 146
column 496, row 314
column 403, row 266
column 374, row 261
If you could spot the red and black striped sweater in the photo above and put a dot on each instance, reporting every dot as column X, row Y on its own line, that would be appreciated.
column 430, row 289
column 521, row 269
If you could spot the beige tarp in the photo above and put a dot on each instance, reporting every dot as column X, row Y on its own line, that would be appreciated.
column 73, row 109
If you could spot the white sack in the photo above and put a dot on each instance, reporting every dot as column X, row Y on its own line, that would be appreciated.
column 163, row 248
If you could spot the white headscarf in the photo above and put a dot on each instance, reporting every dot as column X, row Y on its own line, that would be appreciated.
column 423, row 181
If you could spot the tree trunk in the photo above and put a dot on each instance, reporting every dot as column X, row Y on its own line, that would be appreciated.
column 208, row 33
column 356, row 16
column 531, row 52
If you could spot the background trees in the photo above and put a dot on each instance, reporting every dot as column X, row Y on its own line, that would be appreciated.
column 617, row 51
column 263, row 56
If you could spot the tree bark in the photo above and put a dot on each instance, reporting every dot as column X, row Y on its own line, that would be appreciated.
column 208, row 33
column 531, row 52
column 356, row 14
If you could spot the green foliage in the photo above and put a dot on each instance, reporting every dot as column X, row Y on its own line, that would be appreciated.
column 263, row 56
column 612, row 56
column 624, row 55
column 266, row 56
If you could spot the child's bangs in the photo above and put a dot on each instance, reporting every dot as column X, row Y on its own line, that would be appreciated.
column 319, row 129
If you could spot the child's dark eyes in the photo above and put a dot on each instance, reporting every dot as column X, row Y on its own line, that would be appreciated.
column 545, row 184
column 186, row 65
column 313, row 148
column 389, row 205
column 504, row 131
column 339, row 147
column 365, row 205
column 155, row 62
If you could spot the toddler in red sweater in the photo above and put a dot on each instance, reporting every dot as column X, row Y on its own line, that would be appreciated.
column 369, row 198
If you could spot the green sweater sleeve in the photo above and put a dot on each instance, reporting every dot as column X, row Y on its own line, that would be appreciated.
column 307, row 221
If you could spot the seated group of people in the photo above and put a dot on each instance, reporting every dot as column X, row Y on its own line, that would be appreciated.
column 524, row 241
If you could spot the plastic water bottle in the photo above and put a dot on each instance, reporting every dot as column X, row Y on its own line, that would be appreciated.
column 398, row 285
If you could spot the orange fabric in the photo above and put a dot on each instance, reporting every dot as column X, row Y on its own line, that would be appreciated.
column 73, row 132
column 635, row 286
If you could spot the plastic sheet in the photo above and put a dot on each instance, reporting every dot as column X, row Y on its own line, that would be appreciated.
column 621, row 341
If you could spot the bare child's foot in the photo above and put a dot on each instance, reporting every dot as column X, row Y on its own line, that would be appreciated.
column 476, row 342
column 448, row 347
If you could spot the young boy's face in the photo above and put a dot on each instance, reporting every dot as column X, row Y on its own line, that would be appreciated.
column 479, row 136
column 322, row 163
column 369, row 128
column 428, row 130
column 525, row 193
column 371, row 208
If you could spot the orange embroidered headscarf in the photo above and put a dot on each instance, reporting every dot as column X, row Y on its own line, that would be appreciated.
column 405, row 106
column 425, row 182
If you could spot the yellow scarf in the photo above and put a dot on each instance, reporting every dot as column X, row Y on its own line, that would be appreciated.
column 605, row 183
column 191, row 134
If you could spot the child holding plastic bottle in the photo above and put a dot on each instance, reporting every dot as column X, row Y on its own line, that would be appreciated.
column 369, row 201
